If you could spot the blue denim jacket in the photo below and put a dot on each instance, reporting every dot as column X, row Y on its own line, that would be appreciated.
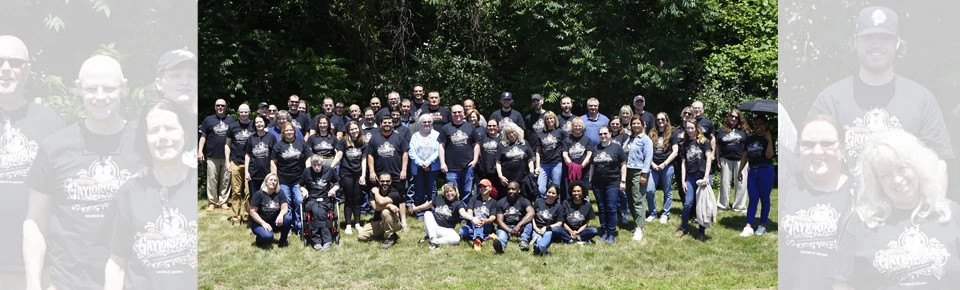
column 639, row 153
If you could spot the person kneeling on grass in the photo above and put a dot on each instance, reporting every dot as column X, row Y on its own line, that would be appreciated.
column 483, row 212
column 513, row 218
column 275, row 211
column 440, row 223
column 548, row 216
column 577, row 213
column 389, row 218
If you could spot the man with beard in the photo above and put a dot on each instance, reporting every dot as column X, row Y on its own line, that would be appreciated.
column 534, row 120
column 300, row 121
column 506, row 113
column 237, row 136
column 26, row 123
column 72, row 185
column 336, row 121
column 441, row 115
column 387, row 153
column 639, row 102
column 393, row 103
column 213, row 145
column 418, row 101
column 566, row 113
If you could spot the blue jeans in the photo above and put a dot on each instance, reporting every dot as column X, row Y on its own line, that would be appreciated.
column 544, row 240
column 425, row 188
column 471, row 232
column 759, row 185
column 503, row 236
column 663, row 178
column 562, row 234
column 551, row 171
column 607, row 203
column 294, row 199
column 690, row 197
column 463, row 180
column 264, row 236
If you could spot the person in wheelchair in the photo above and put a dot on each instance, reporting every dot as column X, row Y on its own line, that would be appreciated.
column 319, row 185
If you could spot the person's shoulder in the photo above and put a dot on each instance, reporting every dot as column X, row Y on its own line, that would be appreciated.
column 912, row 87
column 841, row 87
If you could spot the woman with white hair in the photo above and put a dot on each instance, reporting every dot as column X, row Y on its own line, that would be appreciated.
column 425, row 151
column 515, row 156
column 903, row 233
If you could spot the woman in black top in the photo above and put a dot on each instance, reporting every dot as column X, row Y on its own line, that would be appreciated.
column 665, row 150
column 290, row 158
column 323, row 141
column 620, row 135
column 548, row 216
column 270, row 213
column 489, row 153
column 577, row 213
column 515, row 159
column 695, row 171
column 549, row 144
column 154, row 241
column 759, row 151
column 577, row 150
column 730, row 143
column 353, row 174
column 257, row 160
column 608, row 175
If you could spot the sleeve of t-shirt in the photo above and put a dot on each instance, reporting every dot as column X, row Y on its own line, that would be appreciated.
column 590, row 214
column 282, row 197
column 205, row 127
column 305, row 177
column 529, row 152
column 305, row 152
column 404, row 146
column 256, row 200
column 934, row 130
column 843, row 266
column 341, row 147
column 122, row 234
column 442, row 137
column 40, row 172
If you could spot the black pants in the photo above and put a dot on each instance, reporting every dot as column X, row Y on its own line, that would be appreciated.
column 320, row 221
column 352, row 198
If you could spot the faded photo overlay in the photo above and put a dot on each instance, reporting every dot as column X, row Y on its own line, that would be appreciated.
column 97, row 126
column 866, row 195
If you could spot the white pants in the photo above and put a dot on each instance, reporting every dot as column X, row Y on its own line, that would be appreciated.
column 441, row 234
column 728, row 171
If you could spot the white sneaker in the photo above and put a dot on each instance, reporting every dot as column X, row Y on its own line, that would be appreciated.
column 747, row 231
column 651, row 218
column 663, row 220
column 638, row 235
column 348, row 230
column 761, row 230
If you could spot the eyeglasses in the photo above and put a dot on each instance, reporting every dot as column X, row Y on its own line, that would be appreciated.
column 272, row 110
column 294, row 102
column 220, row 106
column 601, row 134
column 339, row 107
column 13, row 62
column 826, row 144
column 686, row 113
column 661, row 120
column 735, row 116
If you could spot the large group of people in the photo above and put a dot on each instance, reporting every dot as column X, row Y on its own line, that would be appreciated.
column 504, row 174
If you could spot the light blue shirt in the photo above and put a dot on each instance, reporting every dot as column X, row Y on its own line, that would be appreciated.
column 591, row 128
column 425, row 150
column 639, row 153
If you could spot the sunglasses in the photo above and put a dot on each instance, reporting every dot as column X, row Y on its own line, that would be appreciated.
column 220, row 106
column 735, row 116
column 13, row 62
column 686, row 113
column 661, row 119
column 823, row 143
column 601, row 134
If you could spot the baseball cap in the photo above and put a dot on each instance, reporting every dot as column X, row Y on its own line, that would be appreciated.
column 493, row 190
column 506, row 96
column 877, row 19
column 537, row 97
column 262, row 104
column 173, row 58
column 638, row 98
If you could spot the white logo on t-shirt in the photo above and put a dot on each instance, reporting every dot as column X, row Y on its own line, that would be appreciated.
column 168, row 242
column 386, row 150
column 16, row 155
column 813, row 228
column 912, row 256
column 290, row 153
column 91, row 191
column 515, row 154
column 577, row 151
column 459, row 138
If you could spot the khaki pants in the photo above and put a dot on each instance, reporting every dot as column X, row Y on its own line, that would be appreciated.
column 728, row 171
column 218, row 181
column 637, row 196
column 386, row 227
column 241, row 191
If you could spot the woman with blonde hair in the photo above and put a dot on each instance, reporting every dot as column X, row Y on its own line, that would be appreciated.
column 626, row 112
column 515, row 156
column 549, row 144
column 665, row 148
column 695, row 171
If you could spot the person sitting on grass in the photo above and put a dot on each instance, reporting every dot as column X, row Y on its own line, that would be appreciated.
column 389, row 218
column 548, row 216
column 483, row 212
column 440, row 223
column 275, row 212
column 577, row 213
column 514, row 214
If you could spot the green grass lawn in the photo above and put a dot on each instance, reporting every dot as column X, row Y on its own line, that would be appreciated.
column 228, row 260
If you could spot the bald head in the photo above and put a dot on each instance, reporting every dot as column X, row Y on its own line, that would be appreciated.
column 11, row 46
column 101, row 82
column 101, row 68
column 14, row 67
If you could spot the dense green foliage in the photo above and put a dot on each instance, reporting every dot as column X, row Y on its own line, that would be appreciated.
column 671, row 51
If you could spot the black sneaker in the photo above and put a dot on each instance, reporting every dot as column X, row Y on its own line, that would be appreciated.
column 389, row 242
column 498, row 246
column 283, row 244
column 524, row 246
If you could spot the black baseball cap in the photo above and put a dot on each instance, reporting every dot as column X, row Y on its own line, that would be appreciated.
column 175, row 57
column 536, row 97
column 506, row 96
column 262, row 104
column 878, row 20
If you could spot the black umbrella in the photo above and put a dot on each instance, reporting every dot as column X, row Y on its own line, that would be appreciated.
column 761, row 106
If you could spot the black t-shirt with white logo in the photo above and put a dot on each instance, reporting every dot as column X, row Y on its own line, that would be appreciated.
column 387, row 153
column 535, row 124
column 695, row 155
column 323, row 145
column 707, row 127
column 577, row 215
column 352, row 158
column 662, row 146
column 565, row 124
column 21, row 130
column 441, row 116
column 81, row 177
column 457, row 145
column 301, row 121
column 215, row 130
column 489, row 153
column 606, row 162
column 156, row 233
column 577, row 147
column 268, row 205
column 318, row 184
column 478, row 205
column 731, row 143
column 239, row 133
column 291, row 158
column 447, row 213
column 550, row 144
column 513, row 210
column 756, row 147
column 514, row 158
column 260, row 149
column 392, row 194
column 511, row 116
column 546, row 214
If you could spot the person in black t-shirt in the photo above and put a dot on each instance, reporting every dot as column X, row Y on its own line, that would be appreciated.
column 258, row 155
column 387, row 153
column 534, row 119
column 290, row 158
column 300, row 120
column 706, row 126
column 514, row 214
column 483, row 212
column 213, row 144
column 490, row 154
column 608, row 175
column 549, row 213
column 390, row 215
column 270, row 213
column 353, row 173
column 441, row 222
column 639, row 102
column 337, row 123
column 730, row 145
column 418, row 101
column 566, row 114
column 506, row 114
column 323, row 141
column 577, row 213
column 548, row 146
column 461, row 152
column 758, row 150
column 695, row 169
column 577, row 150
column 441, row 115
column 320, row 185
column 237, row 136
column 665, row 150
column 516, row 158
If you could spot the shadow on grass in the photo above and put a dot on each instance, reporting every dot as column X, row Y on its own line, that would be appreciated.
column 737, row 222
